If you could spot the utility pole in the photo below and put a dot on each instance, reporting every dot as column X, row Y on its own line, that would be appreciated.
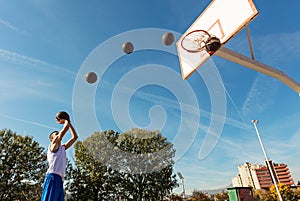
column 182, row 182
column 267, row 159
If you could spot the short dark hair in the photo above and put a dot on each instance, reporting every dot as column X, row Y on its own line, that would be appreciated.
column 53, row 133
column 63, row 115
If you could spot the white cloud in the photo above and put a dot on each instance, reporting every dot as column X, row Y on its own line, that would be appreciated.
column 36, row 64
column 260, row 96
column 25, row 77
column 278, row 50
column 25, row 121
column 10, row 26
column 173, row 105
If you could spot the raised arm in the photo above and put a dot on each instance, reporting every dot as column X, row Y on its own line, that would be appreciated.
column 55, row 142
column 73, row 139
column 62, row 132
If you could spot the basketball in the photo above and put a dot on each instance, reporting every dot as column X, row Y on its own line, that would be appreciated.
column 213, row 44
column 127, row 47
column 91, row 77
column 168, row 38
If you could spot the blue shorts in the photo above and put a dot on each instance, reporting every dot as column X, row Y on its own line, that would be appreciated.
column 53, row 189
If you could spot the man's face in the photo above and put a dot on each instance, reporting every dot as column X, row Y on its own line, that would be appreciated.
column 52, row 136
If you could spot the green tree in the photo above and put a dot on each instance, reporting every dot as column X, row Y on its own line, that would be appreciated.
column 149, row 166
column 22, row 167
column 134, row 165
column 89, row 179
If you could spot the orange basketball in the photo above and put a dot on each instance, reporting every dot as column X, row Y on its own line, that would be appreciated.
column 168, row 38
column 91, row 77
column 127, row 47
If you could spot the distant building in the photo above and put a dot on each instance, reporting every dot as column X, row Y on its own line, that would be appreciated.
column 259, row 177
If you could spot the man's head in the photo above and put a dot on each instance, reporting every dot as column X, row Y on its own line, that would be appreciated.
column 52, row 135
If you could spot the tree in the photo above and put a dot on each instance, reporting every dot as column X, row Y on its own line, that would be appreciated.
column 221, row 197
column 22, row 167
column 136, row 165
column 263, row 195
column 286, row 192
column 89, row 180
column 175, row 197
column 199, row 196
column 149, row 166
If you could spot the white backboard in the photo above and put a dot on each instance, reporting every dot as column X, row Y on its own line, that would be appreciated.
column 223, row 19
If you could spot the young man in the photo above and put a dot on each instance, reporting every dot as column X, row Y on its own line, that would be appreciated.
column 56, row 156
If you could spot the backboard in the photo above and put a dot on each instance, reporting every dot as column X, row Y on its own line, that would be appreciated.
column 223, row 19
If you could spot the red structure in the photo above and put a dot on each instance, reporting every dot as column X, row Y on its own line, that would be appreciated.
column 240, row 194
column 281, row 172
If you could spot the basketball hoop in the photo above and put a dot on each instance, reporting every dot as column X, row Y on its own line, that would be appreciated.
column 199, row 40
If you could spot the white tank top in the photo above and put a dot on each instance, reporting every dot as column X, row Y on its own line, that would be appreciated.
column 57, row 161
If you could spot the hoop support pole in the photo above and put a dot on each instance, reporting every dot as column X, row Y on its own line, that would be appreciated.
column 258, row 66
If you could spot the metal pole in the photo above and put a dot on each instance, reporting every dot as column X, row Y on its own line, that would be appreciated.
column 250, row 43
column 183, row 189
column 182, row 182
column 266, row 158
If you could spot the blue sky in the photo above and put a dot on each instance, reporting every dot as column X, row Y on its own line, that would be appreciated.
column 46, row 47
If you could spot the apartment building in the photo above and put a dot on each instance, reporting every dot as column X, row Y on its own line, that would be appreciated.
column 259, row 177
